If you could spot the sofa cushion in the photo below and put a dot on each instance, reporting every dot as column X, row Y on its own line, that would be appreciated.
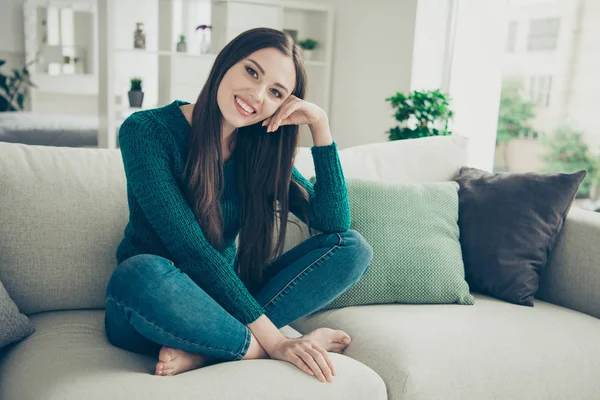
column 14, row 325
column 69, row 358
column 63, row 214
column 491, row 350
column 430, row 159
column 413, row 228
column 509, row 223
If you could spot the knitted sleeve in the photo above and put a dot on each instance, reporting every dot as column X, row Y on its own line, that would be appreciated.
column 154, row 186
column 329, row 209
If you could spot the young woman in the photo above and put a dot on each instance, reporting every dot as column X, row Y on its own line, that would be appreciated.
column 200, row 174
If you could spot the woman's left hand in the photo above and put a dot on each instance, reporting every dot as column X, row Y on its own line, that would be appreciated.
column 295, row 111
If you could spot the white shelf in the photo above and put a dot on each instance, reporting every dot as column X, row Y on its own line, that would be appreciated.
column 191, row 55
column 165, row 53
column 143, row 51
column 168, row 74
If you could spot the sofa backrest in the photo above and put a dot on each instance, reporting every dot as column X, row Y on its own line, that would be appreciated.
column 64, row 211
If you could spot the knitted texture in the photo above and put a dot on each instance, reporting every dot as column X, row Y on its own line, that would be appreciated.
column 154, row 145
column 413, row 229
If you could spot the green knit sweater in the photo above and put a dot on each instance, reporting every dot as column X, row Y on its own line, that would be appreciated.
column 153, row 145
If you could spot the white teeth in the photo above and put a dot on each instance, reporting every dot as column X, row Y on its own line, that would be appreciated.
column 244, row 105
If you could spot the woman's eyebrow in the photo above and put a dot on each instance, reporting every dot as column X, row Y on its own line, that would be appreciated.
column 263, row 72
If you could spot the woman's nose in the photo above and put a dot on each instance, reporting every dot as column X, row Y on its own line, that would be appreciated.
column 258, row 95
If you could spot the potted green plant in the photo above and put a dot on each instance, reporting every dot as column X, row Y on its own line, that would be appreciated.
column 181, row 45
column 420, row 114
column 136, row 96
column 14, row 88
column 308, row 45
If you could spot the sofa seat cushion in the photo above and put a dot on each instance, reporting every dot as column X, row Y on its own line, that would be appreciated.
column 69, row 358
column 490, row 350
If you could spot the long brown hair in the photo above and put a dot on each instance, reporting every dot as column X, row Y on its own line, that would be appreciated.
column 263, row 163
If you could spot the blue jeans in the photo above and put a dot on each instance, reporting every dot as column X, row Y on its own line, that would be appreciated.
column 150, row 302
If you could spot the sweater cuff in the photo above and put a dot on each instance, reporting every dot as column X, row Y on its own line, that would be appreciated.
column 328, row 172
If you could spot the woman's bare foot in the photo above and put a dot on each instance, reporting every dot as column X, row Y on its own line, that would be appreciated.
column 174, row 361
column 330, row 339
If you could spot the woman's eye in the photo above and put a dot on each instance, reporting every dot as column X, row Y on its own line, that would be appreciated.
column 254, row 73
column 251, row 71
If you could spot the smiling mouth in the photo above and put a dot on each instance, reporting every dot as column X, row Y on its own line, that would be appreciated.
column 240, row 109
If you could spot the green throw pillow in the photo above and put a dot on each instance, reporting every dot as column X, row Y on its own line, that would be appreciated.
column 413, row 229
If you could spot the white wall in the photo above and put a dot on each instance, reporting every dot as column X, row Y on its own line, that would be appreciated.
column 371, row 61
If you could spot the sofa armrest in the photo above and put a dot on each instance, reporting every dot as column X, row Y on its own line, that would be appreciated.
column 572, row 276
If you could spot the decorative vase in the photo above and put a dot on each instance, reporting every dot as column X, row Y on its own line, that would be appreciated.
column 136, row 98
column 205, row 44
column 307, row 54
column 139, row 37
column 181, row 47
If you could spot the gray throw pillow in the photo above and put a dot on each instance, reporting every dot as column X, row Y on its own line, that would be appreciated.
column 508, row 224
column 14, row 326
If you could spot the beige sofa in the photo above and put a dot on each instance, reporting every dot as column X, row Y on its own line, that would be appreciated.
column 62, row 217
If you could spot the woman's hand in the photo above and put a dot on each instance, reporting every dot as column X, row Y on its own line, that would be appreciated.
column 295, row 111
column 306, row 355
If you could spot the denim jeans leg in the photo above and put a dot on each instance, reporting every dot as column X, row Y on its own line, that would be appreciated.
column 313, row 274
column 151, row 303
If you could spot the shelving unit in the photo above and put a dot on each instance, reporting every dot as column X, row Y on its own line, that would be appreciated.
column 168, row 75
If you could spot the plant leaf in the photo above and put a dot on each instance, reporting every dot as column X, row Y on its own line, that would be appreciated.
column 20, row 100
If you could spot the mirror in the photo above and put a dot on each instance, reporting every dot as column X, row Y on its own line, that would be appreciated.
column 65, row 40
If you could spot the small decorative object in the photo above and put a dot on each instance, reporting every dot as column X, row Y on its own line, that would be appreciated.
column 136, row 96
column 139, row 37
column 14, row 87
column 205, row 44
column 44, row 31
column 420, row 114
column 293, row 33
column 181, row 45
column 308, row 45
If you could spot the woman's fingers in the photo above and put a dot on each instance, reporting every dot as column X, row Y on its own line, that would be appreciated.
column 327, row 359
column 310, row 361
column 283, row 112
column 302, row 365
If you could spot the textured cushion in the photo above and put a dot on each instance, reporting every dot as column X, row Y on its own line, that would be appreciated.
column 63, row 214
column 509, row 223
column 430, row 159
column 414, row 233
column 14, row 326
column 69, row 358
column 491, row 350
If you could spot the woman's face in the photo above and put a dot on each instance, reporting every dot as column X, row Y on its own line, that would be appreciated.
column 263, row 81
